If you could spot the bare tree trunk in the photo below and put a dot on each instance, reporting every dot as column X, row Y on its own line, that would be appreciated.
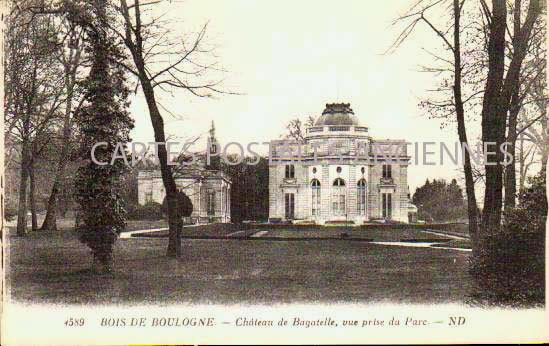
column 103, row 262
column 494, row 116
column 514, row 109
column 510, row 180
column 493, row 196
column 141, row 39
column 136, row 48
column 510, row 169
column 22, row 208
column 50, row 221
column 499, row 91
column 472, row 210
column 32, row 197
column 70, row 68
column 65, row 204
column 544, row 139
column 521, row 160
column 174, row 218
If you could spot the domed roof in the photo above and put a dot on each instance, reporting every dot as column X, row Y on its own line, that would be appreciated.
column 337, row 114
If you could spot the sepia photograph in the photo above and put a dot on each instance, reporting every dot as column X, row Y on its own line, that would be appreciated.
column 205, row 171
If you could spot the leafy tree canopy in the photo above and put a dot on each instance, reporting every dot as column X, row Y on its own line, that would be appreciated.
column 439, row 201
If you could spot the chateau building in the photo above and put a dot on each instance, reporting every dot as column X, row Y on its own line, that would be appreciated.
column 208, row 188
column 339, row 173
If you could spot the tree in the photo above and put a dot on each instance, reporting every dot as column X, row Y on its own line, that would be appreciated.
column 534, row 133
column 439, row 201
column 453, row 102
column 71, row 60
column 148, row 40
column 249, row 189
column 41, row 148
column 296, row 130
column 32, row 95
column 525, row 158
column 491, row 74
column 102, row 118
column 498, row 92
column 531, row 76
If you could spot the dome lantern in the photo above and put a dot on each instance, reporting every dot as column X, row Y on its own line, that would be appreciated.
column 337, row 114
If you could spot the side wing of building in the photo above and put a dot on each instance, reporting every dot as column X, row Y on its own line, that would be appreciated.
column 209, row 191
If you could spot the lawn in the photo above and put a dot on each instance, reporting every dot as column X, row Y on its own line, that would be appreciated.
column 52, row 267
column 292, row 232
column 356, row 233
column 68, row 223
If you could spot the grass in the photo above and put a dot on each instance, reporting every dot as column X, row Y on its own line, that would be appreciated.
column 52, row 267
column 66, row 224
column 375, row 234
column 136, row 225
column 458, row 229
column 292, row 233
column 210, row 230
column 63, row 223
column 215, row 229
column 277, row 230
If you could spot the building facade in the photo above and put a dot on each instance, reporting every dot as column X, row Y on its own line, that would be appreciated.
column 339, row 174
column 208, row 188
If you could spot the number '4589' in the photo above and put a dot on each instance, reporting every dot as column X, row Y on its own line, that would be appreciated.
column 74, row 322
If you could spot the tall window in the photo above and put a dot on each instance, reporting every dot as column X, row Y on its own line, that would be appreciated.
column 338, row 197
column 386, row 205
column 228, row 201
column 289, row 201
column 211, row 202
column 315, row 188
column 290, row 172
column 223, row 204
column 361, row 197
column 148, row 196
column 387, row 171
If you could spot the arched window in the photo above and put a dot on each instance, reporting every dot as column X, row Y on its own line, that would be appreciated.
column 290, row 172
column 361, row 197
column 339, row 182
column 338, row 197
column 315, row 201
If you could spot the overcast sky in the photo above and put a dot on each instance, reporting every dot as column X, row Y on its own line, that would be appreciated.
column 289, row 58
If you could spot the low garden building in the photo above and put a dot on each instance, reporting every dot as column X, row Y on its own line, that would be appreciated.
column 208, row 188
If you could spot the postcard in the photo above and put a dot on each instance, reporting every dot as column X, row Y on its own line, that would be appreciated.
column 244, row 172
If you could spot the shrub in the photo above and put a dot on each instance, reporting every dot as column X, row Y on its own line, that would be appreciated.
column 509, row 268
column 149, row 211
column 184, row 204
column 531, row 212
column 130, row 208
